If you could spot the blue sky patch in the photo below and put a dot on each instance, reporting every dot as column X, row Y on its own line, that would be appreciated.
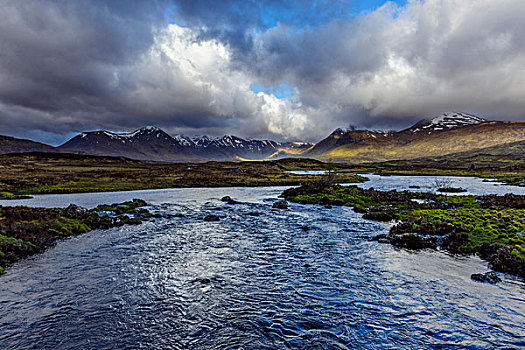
column 282, row 91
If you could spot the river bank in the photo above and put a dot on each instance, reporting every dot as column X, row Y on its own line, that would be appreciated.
column 490, row 226
column 25, row 231
column 27, row 174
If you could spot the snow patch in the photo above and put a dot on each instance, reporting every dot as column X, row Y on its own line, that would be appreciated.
column 450, row 120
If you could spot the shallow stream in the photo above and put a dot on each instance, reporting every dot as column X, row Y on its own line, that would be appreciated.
column 252, row 282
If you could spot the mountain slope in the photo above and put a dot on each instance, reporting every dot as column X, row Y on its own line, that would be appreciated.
column 13, row 145
column 148, row 143
column 153, row 144
column 508, row 156
column 445, row 134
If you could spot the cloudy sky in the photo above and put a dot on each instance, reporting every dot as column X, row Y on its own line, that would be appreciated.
column 285, row 70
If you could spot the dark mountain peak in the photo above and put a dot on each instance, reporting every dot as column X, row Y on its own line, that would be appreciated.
column 338, row 132
column 184, row 141
column 447, row 121
column 152, row 143
column 147, row 130
column 150, row 129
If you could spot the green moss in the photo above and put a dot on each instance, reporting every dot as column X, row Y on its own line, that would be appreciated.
column 10, row 240
column 470, row 223
column 11, row 196
column 65, row 226
column 129, row 207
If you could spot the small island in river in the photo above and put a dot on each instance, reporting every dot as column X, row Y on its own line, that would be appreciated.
column 491, row 226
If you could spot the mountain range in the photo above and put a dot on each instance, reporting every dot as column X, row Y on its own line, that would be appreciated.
column 153, row 144
column 444, row 134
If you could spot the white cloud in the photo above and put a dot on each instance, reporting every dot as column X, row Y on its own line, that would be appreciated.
column 79, row 68
column 404, row 63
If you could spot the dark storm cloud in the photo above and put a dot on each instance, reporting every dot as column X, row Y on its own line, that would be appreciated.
column 187, row 66
column 69, row 65
column 234, row 21
column 59, row 56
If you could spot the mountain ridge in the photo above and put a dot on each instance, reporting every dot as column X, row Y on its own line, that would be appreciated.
column 441, row 135
column 446, row 133
column 153, row 144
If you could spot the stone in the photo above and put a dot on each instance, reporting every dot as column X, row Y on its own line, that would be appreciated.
column 211, row 218
column 384, row 216
column 489, row 277
column 74, row 209
column 281, row 204
column 413, row 241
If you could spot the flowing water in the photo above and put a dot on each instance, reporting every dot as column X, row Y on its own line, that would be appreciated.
column 251, row 282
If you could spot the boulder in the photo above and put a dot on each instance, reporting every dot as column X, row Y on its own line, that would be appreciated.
column 281, row 204
column 211, row 218
column 74, row 209
column 229, row 200
column 380, row 215
column 413, row 241
column 489, row 277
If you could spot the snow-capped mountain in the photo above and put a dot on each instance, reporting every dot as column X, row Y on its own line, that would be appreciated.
column 447, row 121
column 148, row 143
column 153, row 144
column 440, row 135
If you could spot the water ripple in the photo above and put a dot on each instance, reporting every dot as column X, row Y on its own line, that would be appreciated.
column 251, row 282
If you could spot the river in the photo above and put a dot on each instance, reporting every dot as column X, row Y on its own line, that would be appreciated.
column 252, row 282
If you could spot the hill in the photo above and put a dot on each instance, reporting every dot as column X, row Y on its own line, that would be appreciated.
column 445, row 134
column 508, row 156
column 10, row 144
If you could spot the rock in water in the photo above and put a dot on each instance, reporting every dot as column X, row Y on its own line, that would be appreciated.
column 413, row 241
column 490, row 277
column 282, row 204
column 229, row 200
column 211, row 218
